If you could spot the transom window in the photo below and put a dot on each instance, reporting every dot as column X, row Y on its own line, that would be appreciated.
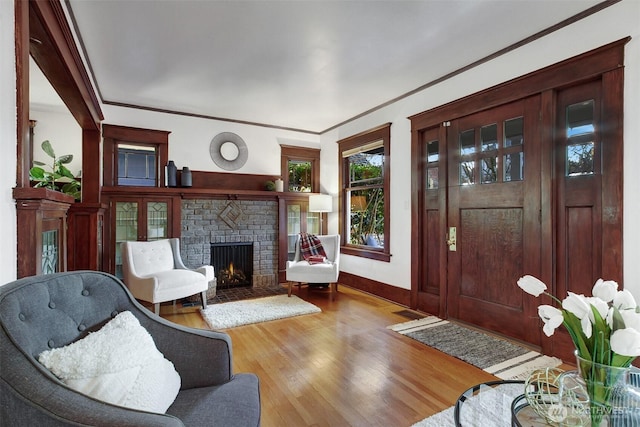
column 365, row 193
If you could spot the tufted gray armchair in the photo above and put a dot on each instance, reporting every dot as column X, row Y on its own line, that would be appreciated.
column 41, row 312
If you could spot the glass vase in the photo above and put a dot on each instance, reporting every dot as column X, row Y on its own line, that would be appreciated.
column 600, row 395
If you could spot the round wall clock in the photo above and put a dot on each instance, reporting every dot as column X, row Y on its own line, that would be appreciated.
column 228, row 151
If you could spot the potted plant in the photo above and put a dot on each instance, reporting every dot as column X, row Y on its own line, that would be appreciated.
column 59, row 178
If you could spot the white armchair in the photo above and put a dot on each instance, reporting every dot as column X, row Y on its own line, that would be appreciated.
column 300, row 271
column 154, row 272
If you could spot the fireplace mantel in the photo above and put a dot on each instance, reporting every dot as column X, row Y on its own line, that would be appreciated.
column 205, row 193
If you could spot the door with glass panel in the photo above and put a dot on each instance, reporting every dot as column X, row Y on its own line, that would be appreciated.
column 140, row 219
column 493, row 227
column 430, row 297
column 581, row 159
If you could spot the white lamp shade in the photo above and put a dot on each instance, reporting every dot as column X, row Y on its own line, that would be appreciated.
column 320, row 203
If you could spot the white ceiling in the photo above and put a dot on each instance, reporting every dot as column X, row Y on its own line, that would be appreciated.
column 305, row 64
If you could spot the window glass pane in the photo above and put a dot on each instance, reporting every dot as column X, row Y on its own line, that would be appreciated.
column 157, row 220
column 580, row 139
column 136, row 165
column 433, row 151
column 151, row 167
column 432, row 178
column 468, row 142
column 489, row 137
column 580, row 159
column 313, row 222
column 489, row 171
column 50, row 252
column 466, row 173
column 300, row 176
column 293, row 219
column 293, row 229
column 366, row 217
column 126, row 228
column 514, row 167
column 513, row 132
column 580, row 119
column 367, row 168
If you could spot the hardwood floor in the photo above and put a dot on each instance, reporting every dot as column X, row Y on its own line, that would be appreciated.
column 342, row 367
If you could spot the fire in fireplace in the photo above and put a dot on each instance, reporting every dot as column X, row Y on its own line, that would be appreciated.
column 233, row 264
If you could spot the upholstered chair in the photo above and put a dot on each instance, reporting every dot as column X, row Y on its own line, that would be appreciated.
column 54, row 311
column 154, row 272
column 299, row 271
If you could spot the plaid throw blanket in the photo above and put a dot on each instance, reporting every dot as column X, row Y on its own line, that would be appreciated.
column 310, row 246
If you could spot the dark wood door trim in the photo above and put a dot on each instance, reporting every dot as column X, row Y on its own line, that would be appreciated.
column 589, row 65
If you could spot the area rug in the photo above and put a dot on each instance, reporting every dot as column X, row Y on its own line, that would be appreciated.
column 500, row 357
column 237, row 313
column 491, row 407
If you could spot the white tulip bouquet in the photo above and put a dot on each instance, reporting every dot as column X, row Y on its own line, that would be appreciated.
column 605, row 329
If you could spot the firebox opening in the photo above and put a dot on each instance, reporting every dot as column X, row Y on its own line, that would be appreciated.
column 233, row 264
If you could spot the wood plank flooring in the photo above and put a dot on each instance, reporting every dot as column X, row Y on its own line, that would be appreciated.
column 342, row 367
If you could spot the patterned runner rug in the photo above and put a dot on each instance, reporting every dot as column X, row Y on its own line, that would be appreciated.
column 500, row 357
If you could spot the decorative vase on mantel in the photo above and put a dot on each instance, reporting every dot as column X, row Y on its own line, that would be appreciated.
column 171, row 172
column 600, row 395
column 185, row 177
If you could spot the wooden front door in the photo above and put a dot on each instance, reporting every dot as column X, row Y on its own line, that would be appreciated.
column 493, row 212
column 529, row 174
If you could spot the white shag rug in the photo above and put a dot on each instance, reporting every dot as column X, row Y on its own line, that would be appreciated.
column 244, row 312
column 492, row 408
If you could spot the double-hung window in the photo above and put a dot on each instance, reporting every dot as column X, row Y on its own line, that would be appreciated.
column 364, row 220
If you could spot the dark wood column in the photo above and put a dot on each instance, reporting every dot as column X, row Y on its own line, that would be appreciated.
column 42, row 32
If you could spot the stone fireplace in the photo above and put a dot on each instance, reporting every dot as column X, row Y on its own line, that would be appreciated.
column 233, row 264
column 208, row 222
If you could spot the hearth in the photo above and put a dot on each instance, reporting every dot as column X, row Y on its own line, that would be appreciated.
column 233, row 264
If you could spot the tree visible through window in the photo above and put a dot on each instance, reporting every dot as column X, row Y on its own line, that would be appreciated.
column 366, row 197
column 365, row 193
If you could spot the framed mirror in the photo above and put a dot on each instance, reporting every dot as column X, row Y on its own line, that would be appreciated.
column 228, row 151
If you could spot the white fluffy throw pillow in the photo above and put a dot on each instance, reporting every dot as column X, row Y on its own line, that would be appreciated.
column 119, row 364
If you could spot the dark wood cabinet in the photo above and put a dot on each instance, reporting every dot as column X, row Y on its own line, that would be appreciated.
column 140, row 216
column 42, row 230
column 86, row 236
column 294, row 218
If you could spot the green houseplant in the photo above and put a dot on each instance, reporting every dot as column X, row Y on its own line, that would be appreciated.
column 59, row 178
